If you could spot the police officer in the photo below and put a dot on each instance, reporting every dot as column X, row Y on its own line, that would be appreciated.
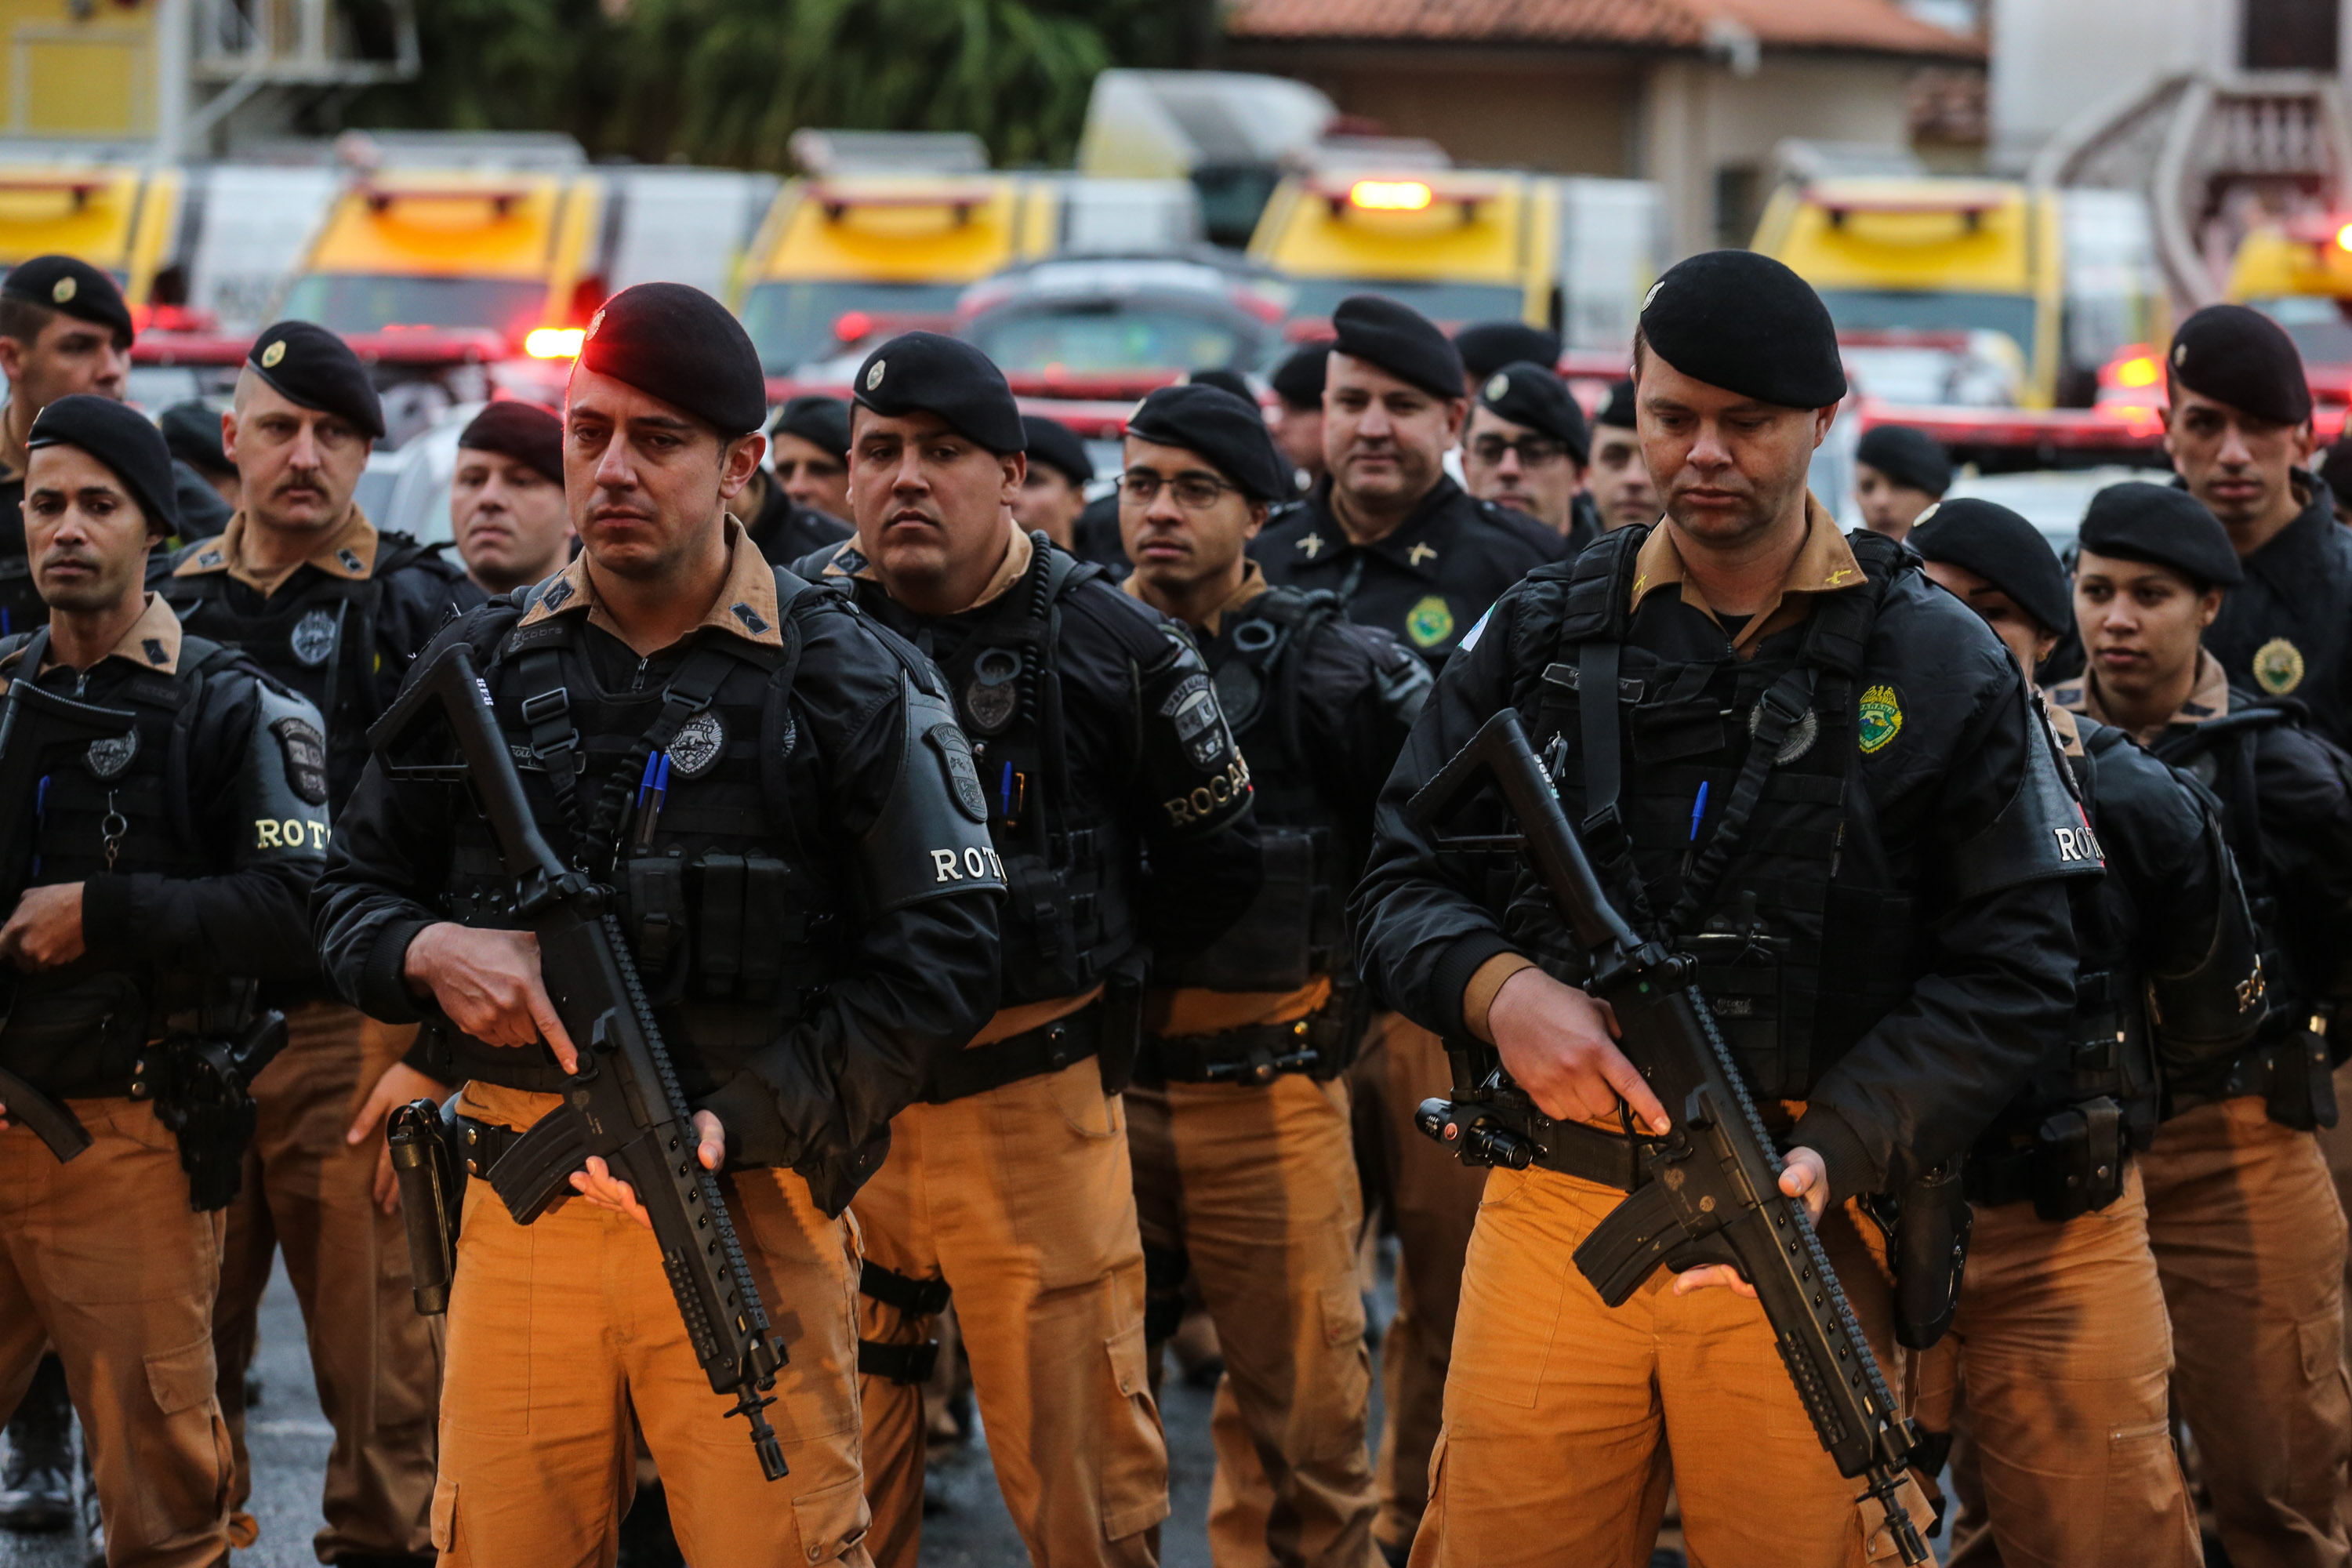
column 2248, row 1234
column 311, row 592
column 783, row 896
column 164, row 859
column 1404, row 547
column 1898, row 474
column 1896, row 785
column 64, row 329
column 192, row 430
column 507, row 514
column 2061, row 1341
column 1489, row 346
column 808, row 452
column 1298, row 422
column 1238, row 1116
column 1525, row 448
column 1054, row 491
column 1101, row 750
column 1618, row 480
column 2237, row 425
column 781, row 509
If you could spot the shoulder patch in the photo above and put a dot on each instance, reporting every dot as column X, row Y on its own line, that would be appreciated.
column 1880, row 718
column 1430, row 622
column 305, row 749
column 1477, row 628
column 2278, row 667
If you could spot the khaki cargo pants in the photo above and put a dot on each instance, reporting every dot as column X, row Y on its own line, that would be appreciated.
column 103, row 1259
column 560, row 1329
column 1021, row 1198
column 1255, row 1187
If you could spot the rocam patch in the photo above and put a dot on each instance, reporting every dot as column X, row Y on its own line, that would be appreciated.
column 1880, row 719
column 305, row 749
column 2278, row 667
column 1430, row 622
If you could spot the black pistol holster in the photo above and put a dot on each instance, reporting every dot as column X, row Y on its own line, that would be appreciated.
column 200, row 1082
column 1926, row 1226
column 424, row 1141
column 2294, row 1075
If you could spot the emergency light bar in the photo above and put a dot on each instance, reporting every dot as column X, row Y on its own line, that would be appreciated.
column 1403, row 193
column 78, row 187
column 958, row 197
column 1391, row 196
column 554, row 342
column 501, row 198
column 1968, row 204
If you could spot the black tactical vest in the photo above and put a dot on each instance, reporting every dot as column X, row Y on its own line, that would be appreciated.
column 1803, row 934
column 1067, row 916
column 2107, row 1048
column 1294, row 930
column 734, row 914
column 118, row 806
column 322, row 642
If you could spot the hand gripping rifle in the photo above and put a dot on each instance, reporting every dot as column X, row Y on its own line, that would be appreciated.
column 1714, row 1190
column 624, row 1103
column 33, row 723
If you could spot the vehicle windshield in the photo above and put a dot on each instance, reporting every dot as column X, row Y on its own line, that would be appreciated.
column 1933, row 311
column 1447, row 304
column 370, row 302
column 2317, row 322
column 793, row 322
column 1078, row 339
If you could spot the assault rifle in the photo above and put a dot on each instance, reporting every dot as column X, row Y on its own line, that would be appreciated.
column 624, row 1103
column 33, row 724
column 1714, row 1190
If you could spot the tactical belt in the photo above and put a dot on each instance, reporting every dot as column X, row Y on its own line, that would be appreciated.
column 1996, row 1177
column 904, row 1364
column 1569, row 1148
column 482, row 1145
column 1255, row 1054
column 1033, row 1053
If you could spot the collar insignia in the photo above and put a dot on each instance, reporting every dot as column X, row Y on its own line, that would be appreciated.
column 1313, row 544
column 1418, row 553
column 154, row 648
column 749, row 617
column 349, row 557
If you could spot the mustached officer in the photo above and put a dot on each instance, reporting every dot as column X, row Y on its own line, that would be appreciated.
column 2247, row 1229
column 1824, row 778
column 2063, row 1453
column 1238, row 1117
column 781, row 801
column 163, row 871
column 1121, row 808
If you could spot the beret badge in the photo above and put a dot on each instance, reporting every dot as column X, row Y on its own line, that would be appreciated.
column 63, row 290
column 874, row 377
column 272, row 354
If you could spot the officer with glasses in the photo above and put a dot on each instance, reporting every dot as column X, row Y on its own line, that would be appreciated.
column 1526, row 448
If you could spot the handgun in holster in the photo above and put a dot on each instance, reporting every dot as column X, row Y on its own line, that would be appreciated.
column 423, row 1136
column 1927, row 1225
column 2294, row 1075
column 201, row 1083
column 1120, row 1040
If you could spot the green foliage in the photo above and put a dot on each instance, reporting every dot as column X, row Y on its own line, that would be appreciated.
column 728, row 81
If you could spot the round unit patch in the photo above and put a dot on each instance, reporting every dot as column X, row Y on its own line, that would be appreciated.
column 1430, row 622
column 314, row 638
column 1881, row 718
column 696, row 747
column 2278, row 667
column 110, row 754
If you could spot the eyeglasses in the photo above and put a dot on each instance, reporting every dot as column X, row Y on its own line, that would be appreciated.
column 1535, row 451
column 1194, row 493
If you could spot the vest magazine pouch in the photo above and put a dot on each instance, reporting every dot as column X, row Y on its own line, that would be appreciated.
column 78, row 1038
column 1269, row 948
column 657, row 923
column 767, row 908
column 1122, row 1019
column 2078, row 1160
column 721, row 925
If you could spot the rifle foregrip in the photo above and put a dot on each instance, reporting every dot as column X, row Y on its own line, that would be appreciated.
column 1630, row 1245
column 537, row 1171
column 51, row 1123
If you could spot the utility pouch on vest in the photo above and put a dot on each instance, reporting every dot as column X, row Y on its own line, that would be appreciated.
column 2078, row 1160
column 657, row 910
column 1270, row 947
column 2294, row 1076
column 200, row 1085
column 1122, row 1021
column 1929, row 1252
column 79, row 1039
column 423, row 1137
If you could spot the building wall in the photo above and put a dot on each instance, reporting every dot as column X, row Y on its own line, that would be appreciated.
column 2039, row 48
column 92, row 78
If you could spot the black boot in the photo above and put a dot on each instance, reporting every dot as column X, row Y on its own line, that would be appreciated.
column 36, row 1481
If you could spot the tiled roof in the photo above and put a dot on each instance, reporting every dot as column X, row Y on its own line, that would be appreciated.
column 1875, row 26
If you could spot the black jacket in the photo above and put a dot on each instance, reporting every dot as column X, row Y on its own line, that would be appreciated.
column 1427, row 582
column 1994, row 971
column 2286, row 630
column 784, row 533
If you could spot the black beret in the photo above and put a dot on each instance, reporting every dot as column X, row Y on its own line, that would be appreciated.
column 819, row 420
column 2004, row 549
column 119, row 437
column 1907, row 456
column 1231, row 381
column 309, row 365
column 918, row 372
column 1054, row 444
column 1741, row 321
column 193, row 431
column 2163, row 526
column 2240, row 357
column 1618, row 409
column 1400, row 341
column 673, row 341
column 524, row 431
column 1528, row 393
column 1487, row 346
column 75, row 288
column 1298, row 380
column 1229, row 431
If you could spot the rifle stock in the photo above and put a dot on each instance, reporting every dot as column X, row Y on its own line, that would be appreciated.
column 624, row 1103
column 1713, row 1195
